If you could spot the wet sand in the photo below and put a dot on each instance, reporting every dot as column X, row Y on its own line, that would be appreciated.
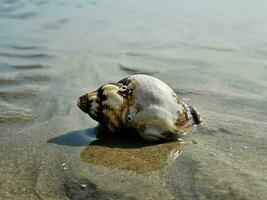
column 52, row 52
column 125, row 152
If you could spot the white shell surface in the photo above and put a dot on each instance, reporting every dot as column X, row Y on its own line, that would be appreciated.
column 160, row 106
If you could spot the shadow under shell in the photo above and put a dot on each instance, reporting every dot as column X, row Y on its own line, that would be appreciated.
column 129, row 152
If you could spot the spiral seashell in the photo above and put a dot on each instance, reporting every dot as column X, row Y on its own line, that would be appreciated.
column 143, row 103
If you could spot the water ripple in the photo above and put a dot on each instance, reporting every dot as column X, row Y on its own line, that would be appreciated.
column 21, row 16
column 23, row 47
column 17, row 55
column 129, row 70
column 20, row 92
column 28, row 66
column 11, row 113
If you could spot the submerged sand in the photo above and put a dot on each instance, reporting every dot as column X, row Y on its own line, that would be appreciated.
column 52, row 52
column 131, row 153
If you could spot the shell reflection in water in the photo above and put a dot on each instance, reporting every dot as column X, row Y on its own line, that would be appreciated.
column 131, row 153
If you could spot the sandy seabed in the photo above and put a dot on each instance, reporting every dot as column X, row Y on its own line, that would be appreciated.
column 48, row 147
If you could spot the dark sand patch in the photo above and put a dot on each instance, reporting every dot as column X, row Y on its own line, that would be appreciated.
column 85, row 189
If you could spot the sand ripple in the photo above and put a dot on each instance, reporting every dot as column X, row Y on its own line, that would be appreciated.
column 25, row 75
column 12, row 113
column 18, row 55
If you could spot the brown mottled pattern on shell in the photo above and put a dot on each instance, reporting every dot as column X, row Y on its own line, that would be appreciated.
column 126, row 81
column 196, row 115
column 100, row 98
column 141, row 127
column 133, row 85
column 154, row 100
column 169, row 135
column 130, row 83
column 138, row 107
column 92, row 96
column 112, row 117
column 182, row 122
column 178, row 99
column 182, row 119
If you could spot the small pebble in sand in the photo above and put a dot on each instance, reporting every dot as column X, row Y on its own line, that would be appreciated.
column 83, row 186
column 64, row 167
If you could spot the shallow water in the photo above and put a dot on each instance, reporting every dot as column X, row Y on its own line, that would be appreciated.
column 213, row 53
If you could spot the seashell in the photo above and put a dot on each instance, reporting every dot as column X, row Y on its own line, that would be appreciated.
column 143, row 103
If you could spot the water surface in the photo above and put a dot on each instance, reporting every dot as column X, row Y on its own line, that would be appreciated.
column 213, row 53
